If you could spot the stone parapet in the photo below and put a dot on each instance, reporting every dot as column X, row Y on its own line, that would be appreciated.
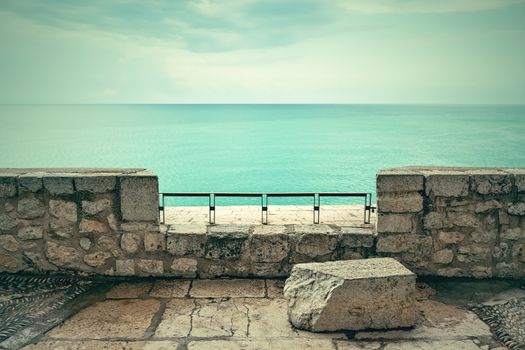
column 74, row 219
column 467, row 222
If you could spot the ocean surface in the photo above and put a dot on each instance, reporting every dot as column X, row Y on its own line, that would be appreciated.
column 264, row 148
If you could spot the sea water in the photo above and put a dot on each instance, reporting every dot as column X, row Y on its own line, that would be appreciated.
column 261, row 148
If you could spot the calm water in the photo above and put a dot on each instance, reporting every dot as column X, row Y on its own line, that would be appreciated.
column 261, row 147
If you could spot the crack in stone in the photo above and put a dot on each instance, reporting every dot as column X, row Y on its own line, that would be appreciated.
column 155, row 320
column 195, row 308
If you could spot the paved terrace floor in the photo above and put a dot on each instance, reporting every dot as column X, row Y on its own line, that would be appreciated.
column 252, row 314
column 342, row 215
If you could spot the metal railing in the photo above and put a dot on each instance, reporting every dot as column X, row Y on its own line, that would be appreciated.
column 367, row 198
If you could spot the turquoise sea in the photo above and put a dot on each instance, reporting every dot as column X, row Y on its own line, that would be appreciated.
column 263, row 148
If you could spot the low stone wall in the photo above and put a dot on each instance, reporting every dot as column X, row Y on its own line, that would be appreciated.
column 105, row 221
column 453, row 221
column 73, row 219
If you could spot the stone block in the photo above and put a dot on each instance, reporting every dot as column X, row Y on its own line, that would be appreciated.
column 139, row 227
column 139, row 198
column 354, row 237
column 7, row 222
column 85, row 243
column 61, row 255
column 31, row 182
column 125, row 267
column 444, row 256
column 226, row 242
column 63, row 210
column 401, row 181
column 186, row 241
column 95, row 183
column 485, row 206
column 319, row 246
column 154, row 242
column 130, row 242
column 517, row 209
column 396, row 243
column 435, row 220
column 92, row 226
column 400, row 202
column 269, row 248
column 351, row 295
column 512, row 234
column 450, row 237
column 7, row 186
column 31, row 232
column 59, row 184
column 492, row 183
column 95, row 207
column 150, row 267
column 520, row 182
column 184, row 267
column 30, row 208
column 10, row 263
column 96, row 259
column 396, row 223
column 447, row 185
column 9, row 243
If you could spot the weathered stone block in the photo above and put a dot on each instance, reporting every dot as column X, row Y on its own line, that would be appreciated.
column 512, row 234
column 31, row 182
column 31, row 232
column 447, row 185
column 130, row 242
column 139, row 227
column 396, row 223
column 139, row 198
column 85, row 243
column 154, row 242
column 226, row 241
column 435, row 220
column 517, row 209
column 9, row 243
column 520, row 182
column 31, row 208
column 150, row 267
column 184, row 267
column 444, row 256
column 187, row 240
column 354, row 237
column 7, row 222
column 63, row 210
column 400, row 182
column 351, row 295
column 396, row 243
column 95, row 183
column 109, row 244
column 269, row 248
column 58, row 184
column 492, row 183
column 92, row 226
column 95, row 207
column 399, row 202
column 10, row 263
column 314, row 246
column 483, row 207
column 61, row 255
column 450, row 237
column 125, row 267
column 96, row 259
column 7, row 186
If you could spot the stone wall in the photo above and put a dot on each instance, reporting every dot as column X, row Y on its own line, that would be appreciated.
column 74, row 219
column 453, row 221
column 105, row 222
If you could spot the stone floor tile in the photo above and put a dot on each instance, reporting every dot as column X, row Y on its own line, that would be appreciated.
column 263, row 344
column 269, row 229
column 227, row 288
column 219, row 318
column 129, row 290
column 176, row 320
column 109, row 319
column 104, row 345
column 268, row 318
column 275, row 288
column 433, row 345
column 437, row 321
column 170, row 289
column 353, row 345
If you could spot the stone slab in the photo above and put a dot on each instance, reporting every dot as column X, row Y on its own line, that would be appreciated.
column 227, row 288
column 105, row 345
column 139, row 198
column 170, row 289
column 351, row 295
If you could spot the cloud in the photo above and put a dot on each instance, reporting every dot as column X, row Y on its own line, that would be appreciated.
column 423, row 6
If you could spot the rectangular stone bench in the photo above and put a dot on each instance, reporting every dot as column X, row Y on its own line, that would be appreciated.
column 375, row 293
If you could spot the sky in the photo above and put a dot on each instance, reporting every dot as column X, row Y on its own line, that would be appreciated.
column 262, row 51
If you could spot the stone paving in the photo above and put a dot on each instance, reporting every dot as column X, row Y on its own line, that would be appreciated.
column 342, row 215
column 252, row 314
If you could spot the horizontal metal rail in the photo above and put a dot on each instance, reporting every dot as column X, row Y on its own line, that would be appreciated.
column 316, row 196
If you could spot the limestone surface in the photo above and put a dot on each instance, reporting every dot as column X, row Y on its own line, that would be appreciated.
column 351, row 295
